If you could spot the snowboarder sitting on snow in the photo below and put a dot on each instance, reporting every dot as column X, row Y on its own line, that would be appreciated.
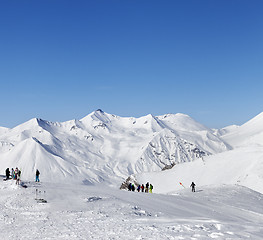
column 37, row 175
column 193, row 186
column 7, row 173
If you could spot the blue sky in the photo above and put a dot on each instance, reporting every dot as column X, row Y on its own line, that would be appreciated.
column 61, row 60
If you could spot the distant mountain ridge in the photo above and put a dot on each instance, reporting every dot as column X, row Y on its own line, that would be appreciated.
column 105, row 147
column 248, row 134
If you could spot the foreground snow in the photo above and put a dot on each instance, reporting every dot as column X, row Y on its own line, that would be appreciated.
column 100, row 212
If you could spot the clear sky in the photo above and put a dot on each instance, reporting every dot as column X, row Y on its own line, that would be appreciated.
column 61, row 60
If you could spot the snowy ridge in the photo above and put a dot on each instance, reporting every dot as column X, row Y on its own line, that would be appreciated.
column 250, row 133
column 3, row 130
column 105, row 147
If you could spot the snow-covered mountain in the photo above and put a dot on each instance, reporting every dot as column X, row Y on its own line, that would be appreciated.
column 242, row 165
column 248, row 134
column 105, row 147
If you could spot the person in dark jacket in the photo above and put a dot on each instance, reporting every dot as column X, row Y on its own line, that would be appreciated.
column 37, row 175
column 147, row 187
column 193, row 186
column 7, row 173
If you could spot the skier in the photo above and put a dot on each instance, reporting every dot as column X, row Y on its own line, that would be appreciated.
column 146, row 187
column 139, row 188
column 151, row 188
column 193, row 186
column 130, row 187
column 7, row 173
column 37, row 175
column 133, row 187
column 142, row 187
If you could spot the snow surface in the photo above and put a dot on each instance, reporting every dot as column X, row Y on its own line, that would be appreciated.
column 239, row 166
column 101, row 212
column 83, row 162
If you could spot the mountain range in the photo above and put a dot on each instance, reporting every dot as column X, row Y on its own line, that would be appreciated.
column 103, row 147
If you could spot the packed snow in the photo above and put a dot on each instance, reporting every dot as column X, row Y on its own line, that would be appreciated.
column 101, row 212
column 83, row 163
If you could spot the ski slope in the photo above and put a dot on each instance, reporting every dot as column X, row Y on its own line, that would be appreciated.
column 243, row 166
column 101, row 212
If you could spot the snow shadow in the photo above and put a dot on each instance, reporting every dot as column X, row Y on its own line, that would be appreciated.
column 94, row 199
column 87, row 182
column 199, row 190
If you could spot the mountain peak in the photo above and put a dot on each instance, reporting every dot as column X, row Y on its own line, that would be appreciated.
column 99, row 111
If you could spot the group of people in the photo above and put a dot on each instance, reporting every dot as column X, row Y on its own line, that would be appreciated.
column 15, row 174
column 148, row 187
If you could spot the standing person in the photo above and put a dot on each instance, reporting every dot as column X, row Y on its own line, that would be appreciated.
column 13, row 173
column 146, row 187
column 193, row 186
column 142, row 187
column 18, row 176
column 139, row 188
column 151, row 188
column 37, row 175
column 7, row 173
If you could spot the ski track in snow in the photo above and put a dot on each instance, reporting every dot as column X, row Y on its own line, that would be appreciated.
column 100, row 212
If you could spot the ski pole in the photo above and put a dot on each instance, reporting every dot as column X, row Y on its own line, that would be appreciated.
column 182, row 184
